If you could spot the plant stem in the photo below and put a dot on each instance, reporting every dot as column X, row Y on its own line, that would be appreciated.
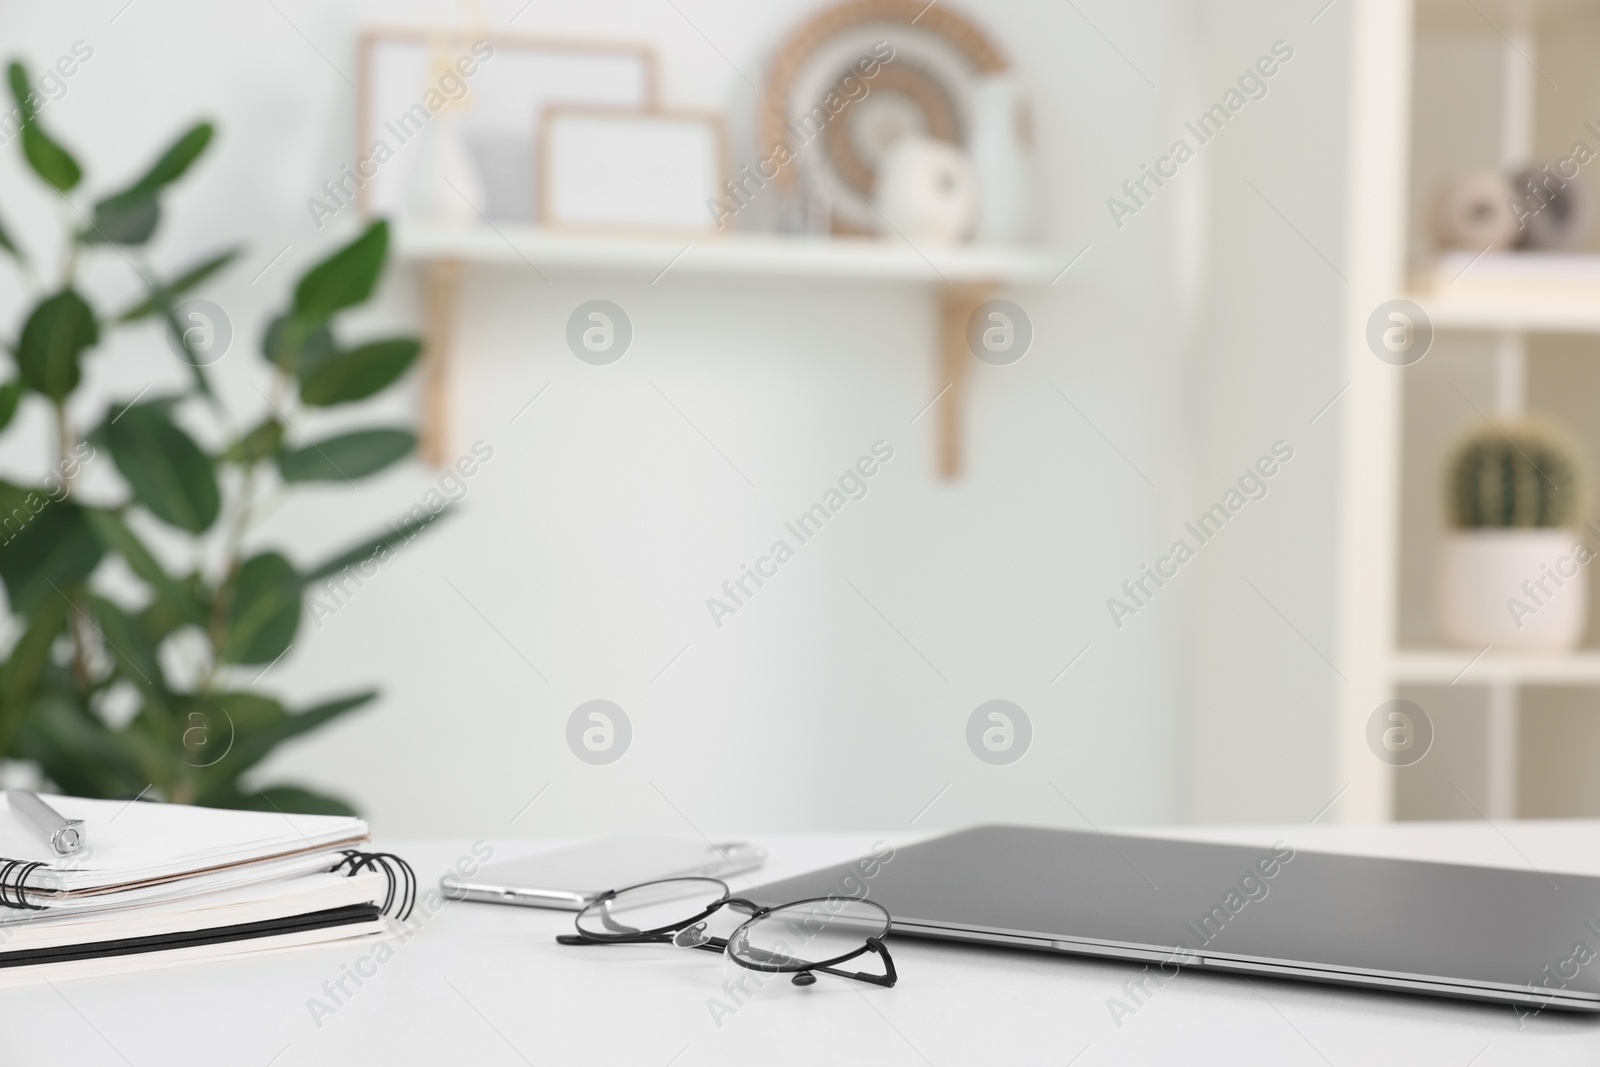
column 64, row 447
column 233, row 549
column 217, row 631
column 69, row 264
column 79, row 620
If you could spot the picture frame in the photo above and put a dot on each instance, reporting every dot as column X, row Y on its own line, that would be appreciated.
column 498, row 106
column 591, row 178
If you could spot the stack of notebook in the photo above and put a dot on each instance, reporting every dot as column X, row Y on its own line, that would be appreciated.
column 159, row 884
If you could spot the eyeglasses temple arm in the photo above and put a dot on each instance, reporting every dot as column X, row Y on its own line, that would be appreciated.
column 887, row 979
column 579, row 939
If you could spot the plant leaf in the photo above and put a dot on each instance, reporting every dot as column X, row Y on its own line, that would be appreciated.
column 297, row 346
column 45, row 545
column 346, row 457
column 82, row 755
column 162, row 615
column 17, row 76
column 399, row 533
column 257, row 725
column 128, row 642
column 115, row 535
column 338, row 706
column 357, row 374
column 19, row 677
column 286, row 799
column 128, row 218
column 167, row 472
column 48, row 159
column 10, row 395
column 265, row 612
column 217, row 729
column 345, row 278
column 256, row 445
column 177, row 158
column 52, row 342
column 193, row 360
column 166, row 294
column 11, row 246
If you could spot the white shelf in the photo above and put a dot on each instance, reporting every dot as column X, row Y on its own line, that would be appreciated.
column 1523, row 291
column 1444, row 667
column 1512, row 312
column 862, row 259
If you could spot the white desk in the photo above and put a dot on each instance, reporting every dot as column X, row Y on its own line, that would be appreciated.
column 482, row 984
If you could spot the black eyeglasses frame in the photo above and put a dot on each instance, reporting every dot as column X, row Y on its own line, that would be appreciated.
column 674, row 934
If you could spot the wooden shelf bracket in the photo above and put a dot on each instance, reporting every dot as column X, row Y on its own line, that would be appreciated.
column 441, row 290
column 956, row 306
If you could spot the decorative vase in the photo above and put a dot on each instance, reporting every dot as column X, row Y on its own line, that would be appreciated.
column 1002, row 151
column 1473, row 211
column 444, row 187
column 1522, row 588
column 1556, row 213
column 927, row 190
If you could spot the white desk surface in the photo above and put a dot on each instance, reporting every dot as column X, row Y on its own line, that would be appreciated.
column 485, row 984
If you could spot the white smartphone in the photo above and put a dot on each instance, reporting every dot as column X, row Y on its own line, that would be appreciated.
column 569, row 878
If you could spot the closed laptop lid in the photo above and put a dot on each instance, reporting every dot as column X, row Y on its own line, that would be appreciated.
column 1334, row 917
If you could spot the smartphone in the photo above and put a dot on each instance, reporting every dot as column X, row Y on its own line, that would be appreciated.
column 569, row 878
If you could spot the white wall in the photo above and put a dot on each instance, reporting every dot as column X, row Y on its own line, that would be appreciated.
column 604, row 521
column 1263, row 657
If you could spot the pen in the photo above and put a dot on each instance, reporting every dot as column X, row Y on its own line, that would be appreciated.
column 63, row 835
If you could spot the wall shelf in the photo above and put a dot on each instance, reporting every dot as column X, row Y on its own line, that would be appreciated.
column 1456, row 666
column 1532, row 292
column 963, row 277
column 849, row 259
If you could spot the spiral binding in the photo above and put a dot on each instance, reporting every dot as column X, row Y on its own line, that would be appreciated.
column 12, row 890
column 402, row 879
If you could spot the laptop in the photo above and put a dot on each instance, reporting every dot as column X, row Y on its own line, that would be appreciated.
column 1521, row 937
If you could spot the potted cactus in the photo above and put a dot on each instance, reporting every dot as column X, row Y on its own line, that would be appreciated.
column 1512, row 566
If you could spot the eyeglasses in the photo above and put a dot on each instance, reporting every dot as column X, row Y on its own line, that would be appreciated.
column 800, row 938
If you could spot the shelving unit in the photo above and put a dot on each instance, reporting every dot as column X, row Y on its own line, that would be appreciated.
column 962, row 276
column 1503, row 297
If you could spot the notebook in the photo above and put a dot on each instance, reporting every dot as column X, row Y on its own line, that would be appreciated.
column 164, row 884
column 138, row 851
column 314, row 909
column 270, row 902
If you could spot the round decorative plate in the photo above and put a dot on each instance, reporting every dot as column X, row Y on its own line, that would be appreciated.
column 923, row 86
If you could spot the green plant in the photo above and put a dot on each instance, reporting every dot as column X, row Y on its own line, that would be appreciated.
column 86, row 690
column 1514, row 476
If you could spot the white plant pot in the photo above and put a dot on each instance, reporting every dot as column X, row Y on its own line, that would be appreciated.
column 1500, row 587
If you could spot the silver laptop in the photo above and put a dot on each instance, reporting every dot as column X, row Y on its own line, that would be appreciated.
column 1514, row 936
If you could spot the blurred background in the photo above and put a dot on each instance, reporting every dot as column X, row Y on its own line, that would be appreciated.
column 1064, row 344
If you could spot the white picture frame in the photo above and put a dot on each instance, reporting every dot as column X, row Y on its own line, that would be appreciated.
column 496, row 116
column 618, row 170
